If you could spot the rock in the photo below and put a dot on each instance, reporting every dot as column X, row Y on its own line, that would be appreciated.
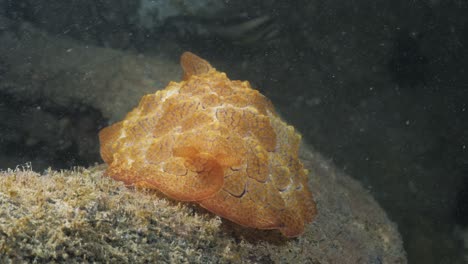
column 80, row 215
column 34, row 64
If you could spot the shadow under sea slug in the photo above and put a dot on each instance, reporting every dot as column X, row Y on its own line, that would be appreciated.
column 218, row 143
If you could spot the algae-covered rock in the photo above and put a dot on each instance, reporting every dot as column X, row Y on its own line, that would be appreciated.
column 81, row 215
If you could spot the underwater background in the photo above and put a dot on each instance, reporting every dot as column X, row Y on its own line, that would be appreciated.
column 379, row 88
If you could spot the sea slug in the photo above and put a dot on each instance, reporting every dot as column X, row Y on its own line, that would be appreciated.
column 215, row 142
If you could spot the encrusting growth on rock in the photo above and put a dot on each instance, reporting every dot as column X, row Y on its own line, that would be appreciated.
column 215, row 142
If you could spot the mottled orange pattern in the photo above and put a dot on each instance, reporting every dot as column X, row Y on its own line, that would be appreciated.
column 215, row 142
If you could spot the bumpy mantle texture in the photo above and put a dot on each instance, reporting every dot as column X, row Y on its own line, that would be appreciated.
column 215, row 142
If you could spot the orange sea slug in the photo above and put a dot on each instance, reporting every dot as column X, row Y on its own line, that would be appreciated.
column 215, row 142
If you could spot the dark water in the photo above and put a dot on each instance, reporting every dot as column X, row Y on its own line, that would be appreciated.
column 379, row 87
